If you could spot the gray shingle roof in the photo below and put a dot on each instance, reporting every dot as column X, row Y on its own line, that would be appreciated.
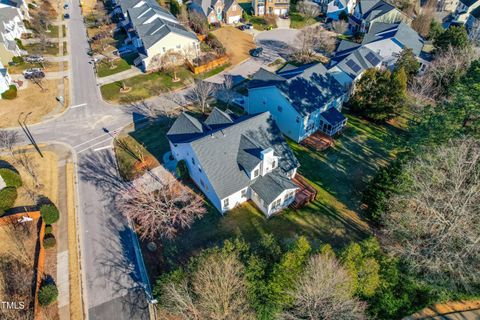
column 12, row 3
column 476, row 13
column 270, row 186
column 205, row 6
column 185, row 128
column 220, row 152
column 307, row 90
column 333, row 116
column 371, row 9
column 218, row 118
column 153, row 23
column 356, row 61
column 401, row 32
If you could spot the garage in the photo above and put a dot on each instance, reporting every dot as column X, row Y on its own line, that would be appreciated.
column 277, row 12
column 233, row 20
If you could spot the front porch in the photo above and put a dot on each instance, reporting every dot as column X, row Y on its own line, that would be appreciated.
column 332, row 121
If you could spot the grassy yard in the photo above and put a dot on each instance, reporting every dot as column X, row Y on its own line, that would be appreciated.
column 46, row 66
column 105, row 69
column 144, row 86
column 340, row 174
column 36, row 48
column 299, row 21
column 52, row 32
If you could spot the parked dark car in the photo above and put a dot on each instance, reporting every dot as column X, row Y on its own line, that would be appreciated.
column 256, row 52
column 33, row 73
column 66, row 16
column 242, row 27
column 249, row 25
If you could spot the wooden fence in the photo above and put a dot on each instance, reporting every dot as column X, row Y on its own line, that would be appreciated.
column 208, row 66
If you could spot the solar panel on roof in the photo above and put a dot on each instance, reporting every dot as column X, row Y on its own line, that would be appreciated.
column 353, row 65
column 372, row 58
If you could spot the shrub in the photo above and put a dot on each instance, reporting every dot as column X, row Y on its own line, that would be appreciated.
column 48, row 229
column 17, row 59
column 8, row 196
column 19, row 44
column 215, row 44
column 48, row 294
column 11, row 178
column 49, row 213
column 49, row 241
column 11, row 93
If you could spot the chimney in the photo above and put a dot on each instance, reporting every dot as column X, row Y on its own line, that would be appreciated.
column 267, row 158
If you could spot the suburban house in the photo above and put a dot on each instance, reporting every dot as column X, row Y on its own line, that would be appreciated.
column 11, row 28
column 351, row 60
column 218, row 11
column 368, row 12
column 389, row 39
column 233, row 160
column 447, row 5
column 154, row 31
column 301, row 99
column 336, row 7
column 276, row 7
column 21, row 5
column 5, row 82
column 473, row 25
column 464, row 9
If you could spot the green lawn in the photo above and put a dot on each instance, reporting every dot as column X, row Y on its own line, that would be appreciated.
column 144, row 86
column 299, row 21
column 53, row 32
column 105, row 69
column 36, row 48
column 340, row 174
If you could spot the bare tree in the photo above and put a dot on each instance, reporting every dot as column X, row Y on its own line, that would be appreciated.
column 309, row 9
column 168, row 61
column 324, row 292
column 183, row 14
column 30, row 166
column 8, row 141
column 434, row 225
column 160, row 206
column 202, row 91
column 217, row 291
column 339, row 26
column 422, row 22
column 313, row 39
column 227, row 88
column 443, row 71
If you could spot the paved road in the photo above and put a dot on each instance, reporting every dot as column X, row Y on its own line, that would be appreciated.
column 113, row 285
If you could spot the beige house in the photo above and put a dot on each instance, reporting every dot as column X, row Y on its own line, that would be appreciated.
column 368, row 12
column 218, row 11
column 275, row 7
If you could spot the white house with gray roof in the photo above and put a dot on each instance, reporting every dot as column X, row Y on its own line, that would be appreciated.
column 11, row 27
column 154, row 31
column 301, row 99
column 233, row 160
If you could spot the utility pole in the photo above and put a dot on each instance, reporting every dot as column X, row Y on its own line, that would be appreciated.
column 27, row 132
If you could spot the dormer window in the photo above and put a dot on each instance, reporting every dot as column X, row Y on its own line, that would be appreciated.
column 256, row 172
column 225, row 203
column 274, row 164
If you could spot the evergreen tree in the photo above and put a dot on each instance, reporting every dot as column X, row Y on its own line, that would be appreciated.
column 408, row 62
column 455, row 36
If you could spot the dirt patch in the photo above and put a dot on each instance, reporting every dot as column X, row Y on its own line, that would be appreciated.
column 237, row 43
column 33, row 99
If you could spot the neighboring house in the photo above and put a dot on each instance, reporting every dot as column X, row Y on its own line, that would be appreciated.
column 464, row 8
column 21, row 5
column 233, row 160
column 11, row 28
column 388, row 40
column 352, row 59
column 368, row 12
column 336, row 7
column 218, row 11
column 276, row 7
column 5, row 82
column 447, row 5
column 299, row 99
column 473, row 25
column 155, row 31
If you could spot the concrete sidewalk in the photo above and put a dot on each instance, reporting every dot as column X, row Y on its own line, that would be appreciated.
column 133, row 71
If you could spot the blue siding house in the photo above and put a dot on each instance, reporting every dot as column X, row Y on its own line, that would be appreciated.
column 301, row 99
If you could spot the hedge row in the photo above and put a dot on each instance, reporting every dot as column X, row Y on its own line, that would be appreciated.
column 11, row 178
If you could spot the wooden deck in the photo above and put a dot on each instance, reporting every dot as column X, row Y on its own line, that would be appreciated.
column 318, row 141
column 305, row 194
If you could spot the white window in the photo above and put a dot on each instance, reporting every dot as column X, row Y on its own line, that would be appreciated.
column 255, row 173
column 244, row 193
column 225, row 203
column 274, row 164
